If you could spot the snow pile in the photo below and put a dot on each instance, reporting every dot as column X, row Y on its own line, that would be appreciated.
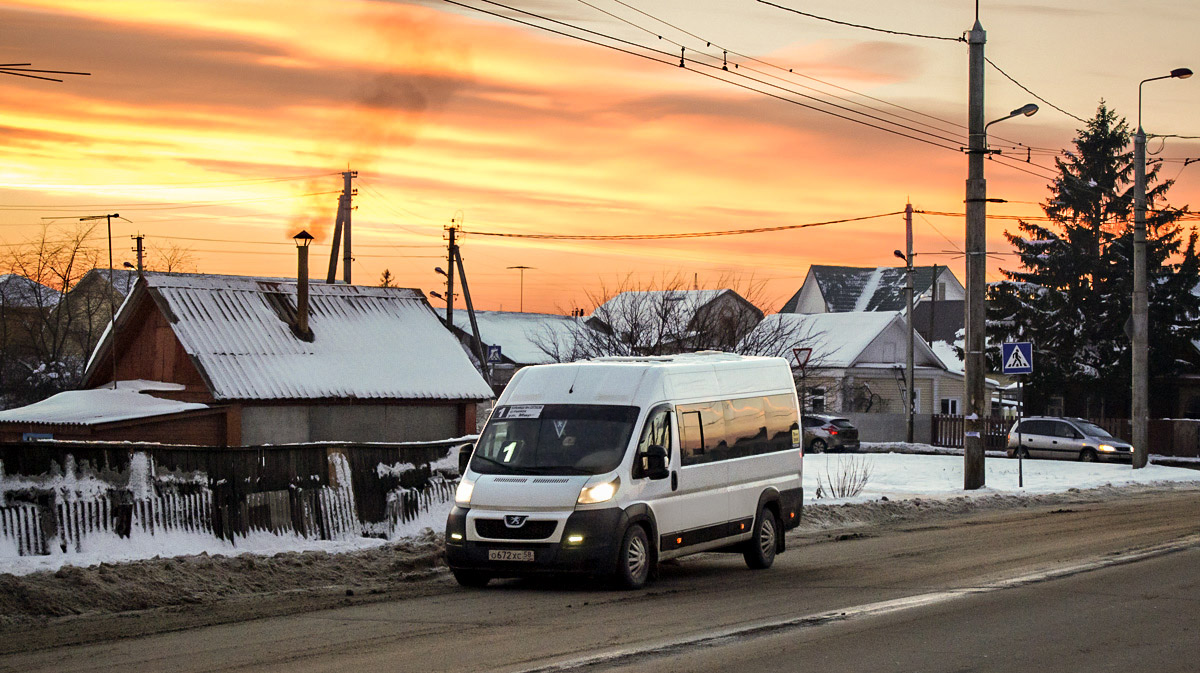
column 102, row 405
column 901, row 476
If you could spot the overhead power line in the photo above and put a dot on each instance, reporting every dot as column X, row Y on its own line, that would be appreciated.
column 859, row 25
column 694, row 234
column 168, row 205
column 1031, row 93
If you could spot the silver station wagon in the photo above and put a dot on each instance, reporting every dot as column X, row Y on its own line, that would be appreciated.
column 1066, row 439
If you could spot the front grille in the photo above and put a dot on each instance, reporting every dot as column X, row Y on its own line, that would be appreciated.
column 532, row 530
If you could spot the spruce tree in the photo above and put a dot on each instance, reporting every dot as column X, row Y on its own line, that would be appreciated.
column 1071, row 295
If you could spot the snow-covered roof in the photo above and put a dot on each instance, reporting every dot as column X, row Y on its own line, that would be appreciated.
column 949, row 357
column 123, row 279
column 519, row 334
column 839, row 340
column 101, row 405
column 368, row 342
column 19, row 291
column 648, row 313
column 852, row 288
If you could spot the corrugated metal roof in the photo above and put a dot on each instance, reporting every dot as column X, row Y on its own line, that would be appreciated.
column 369, row 342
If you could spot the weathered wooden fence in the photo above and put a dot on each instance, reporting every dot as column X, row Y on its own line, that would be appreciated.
column 58, row 495
column 950, row 430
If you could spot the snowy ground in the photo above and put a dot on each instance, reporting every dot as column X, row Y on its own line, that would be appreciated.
column 894, row 476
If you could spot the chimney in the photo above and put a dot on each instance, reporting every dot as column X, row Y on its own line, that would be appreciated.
column 303, row 240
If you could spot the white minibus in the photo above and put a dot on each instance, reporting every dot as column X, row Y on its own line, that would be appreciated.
column 608, row 466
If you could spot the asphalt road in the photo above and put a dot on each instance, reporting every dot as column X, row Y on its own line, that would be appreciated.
column 925, row 597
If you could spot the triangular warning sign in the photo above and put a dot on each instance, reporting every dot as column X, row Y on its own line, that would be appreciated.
column 1016, row 360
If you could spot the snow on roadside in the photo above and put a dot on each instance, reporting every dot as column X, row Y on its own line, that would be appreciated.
column 902, row 476
column 109, row 548
column 896, row 476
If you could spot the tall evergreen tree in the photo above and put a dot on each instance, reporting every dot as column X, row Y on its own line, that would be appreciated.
column 1071, row 295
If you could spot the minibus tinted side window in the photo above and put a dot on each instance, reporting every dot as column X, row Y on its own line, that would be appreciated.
column 701, row 432
column 781, row 421
column 745, row 428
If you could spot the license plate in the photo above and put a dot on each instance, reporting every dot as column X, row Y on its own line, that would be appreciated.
column 510, row 554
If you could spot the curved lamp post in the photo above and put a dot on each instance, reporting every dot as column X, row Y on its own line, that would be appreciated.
column 1141, row 346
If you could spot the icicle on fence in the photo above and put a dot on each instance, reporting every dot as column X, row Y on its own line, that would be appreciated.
column 22, row 526
column 406, row 504
column 191, row 513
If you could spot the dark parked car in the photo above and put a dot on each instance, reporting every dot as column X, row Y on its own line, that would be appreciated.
column 829, row 433
column 1067, row 439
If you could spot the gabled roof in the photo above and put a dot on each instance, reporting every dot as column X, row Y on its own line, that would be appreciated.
column 839, row 340
column 123, row 280
column 852, row 288
column 519, row 334
column 18, row 291
column 368, row 342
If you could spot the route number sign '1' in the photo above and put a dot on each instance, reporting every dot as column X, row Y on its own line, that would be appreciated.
column 1017, row 357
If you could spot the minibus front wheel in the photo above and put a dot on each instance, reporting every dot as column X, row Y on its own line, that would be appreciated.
column 634, row 560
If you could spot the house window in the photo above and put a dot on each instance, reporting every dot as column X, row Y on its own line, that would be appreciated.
column 941, row 292
column 1054, row 406
column 950, row 406
column 816, row 400
column 916, row 405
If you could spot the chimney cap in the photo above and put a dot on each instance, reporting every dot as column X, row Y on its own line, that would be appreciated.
column 303, row 239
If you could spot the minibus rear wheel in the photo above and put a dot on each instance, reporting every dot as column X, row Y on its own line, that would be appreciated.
column 760, row 548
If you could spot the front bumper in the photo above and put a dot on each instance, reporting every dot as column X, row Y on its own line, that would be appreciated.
column 596, row 554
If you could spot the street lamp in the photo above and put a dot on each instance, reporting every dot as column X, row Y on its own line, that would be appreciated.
column 522, row 268
column 1141, row 355
column 976, row 235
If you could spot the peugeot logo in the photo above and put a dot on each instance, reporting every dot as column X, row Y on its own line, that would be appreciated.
column 514, row 520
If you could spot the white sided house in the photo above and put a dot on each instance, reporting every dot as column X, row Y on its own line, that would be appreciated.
column 851, row 289
column 376, row 364
column 858, row 365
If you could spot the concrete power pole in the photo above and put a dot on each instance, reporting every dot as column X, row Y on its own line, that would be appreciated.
column 451, row 256
column 908, row 291
column 976, row 239
column 345, row 207
column 141, row 250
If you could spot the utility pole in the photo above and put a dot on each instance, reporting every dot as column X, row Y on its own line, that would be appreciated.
column 479, row 350
column 908, row 291
column 345, row 207
column 976, row 239
column 451, row 255
column 140, row 251
column 112, row 288
column 1140, row 411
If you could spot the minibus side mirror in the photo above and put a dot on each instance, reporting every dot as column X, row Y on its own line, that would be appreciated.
column 464, row 457
column 656, row 462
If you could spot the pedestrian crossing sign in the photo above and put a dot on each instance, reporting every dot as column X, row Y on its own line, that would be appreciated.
column 1017, row 357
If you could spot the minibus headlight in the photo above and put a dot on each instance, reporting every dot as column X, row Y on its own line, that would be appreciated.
column 1106, row 447
column 462, row 495
column 602, row 492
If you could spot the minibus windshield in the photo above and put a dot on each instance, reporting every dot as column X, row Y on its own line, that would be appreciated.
column 554, row 439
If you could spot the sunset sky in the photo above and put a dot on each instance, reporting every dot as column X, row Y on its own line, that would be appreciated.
column 220, row 126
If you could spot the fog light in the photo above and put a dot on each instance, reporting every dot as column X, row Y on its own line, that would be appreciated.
column 456, row 536
column 574, row 539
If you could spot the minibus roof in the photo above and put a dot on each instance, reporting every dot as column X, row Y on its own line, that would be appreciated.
column 644, row 381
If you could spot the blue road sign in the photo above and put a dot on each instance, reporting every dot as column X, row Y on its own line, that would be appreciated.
column 493, row 354
column 1017, row 358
